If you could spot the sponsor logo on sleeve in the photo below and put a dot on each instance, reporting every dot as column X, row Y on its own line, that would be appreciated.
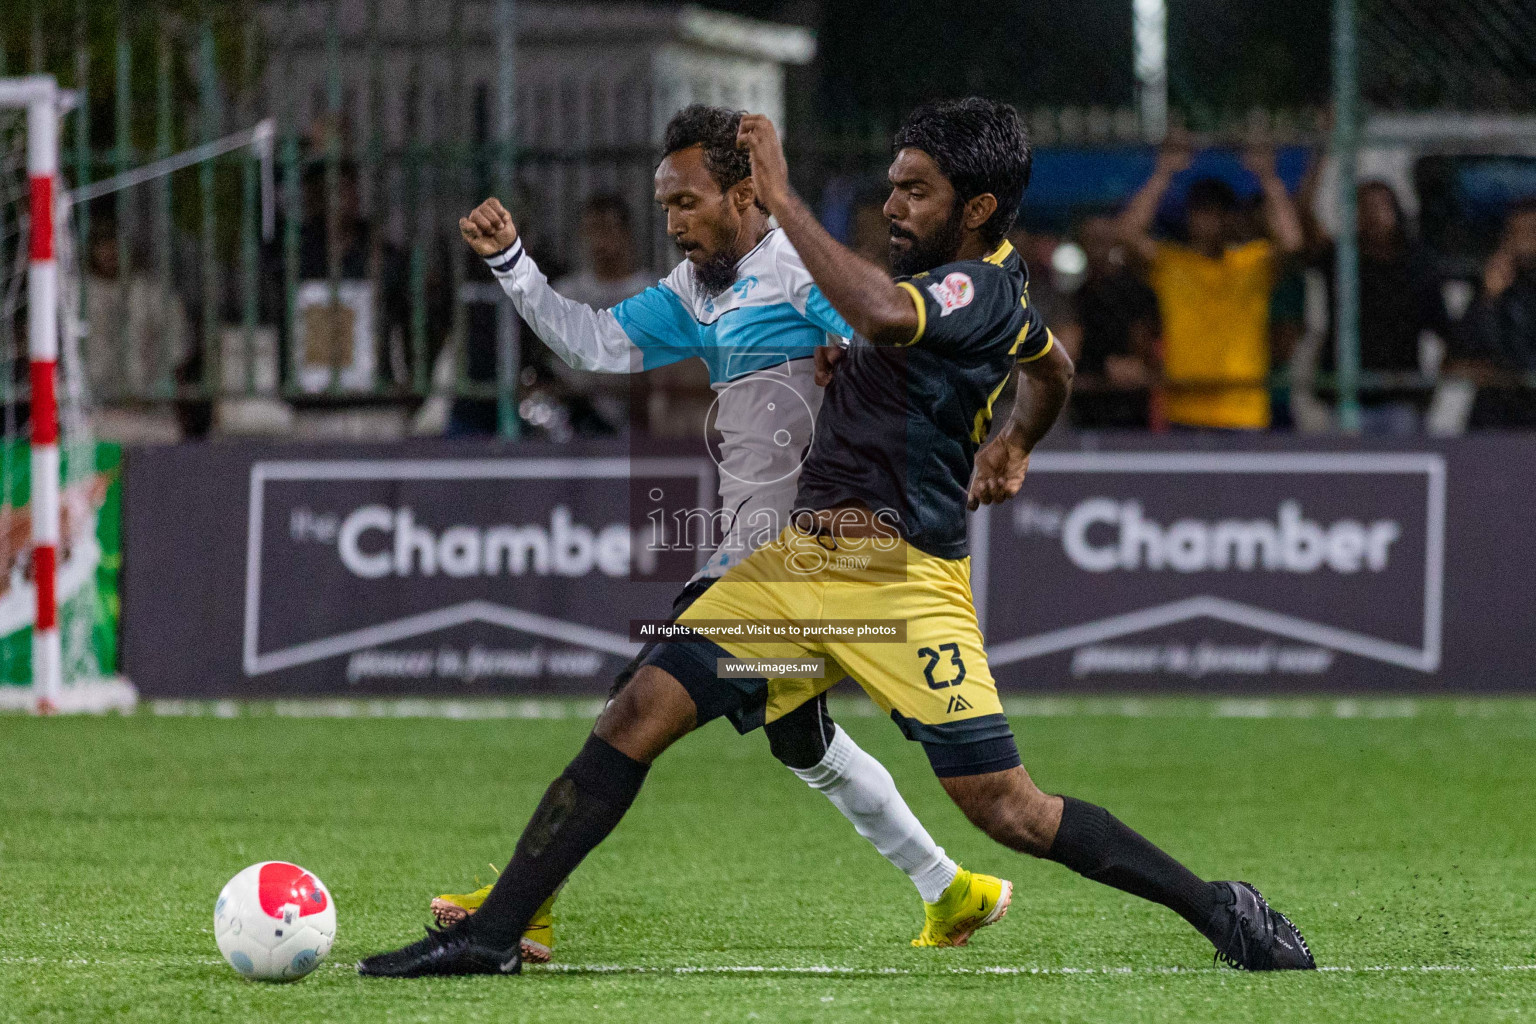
column 952, row 293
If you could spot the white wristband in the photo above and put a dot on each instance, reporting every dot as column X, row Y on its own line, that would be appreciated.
column 505, row 260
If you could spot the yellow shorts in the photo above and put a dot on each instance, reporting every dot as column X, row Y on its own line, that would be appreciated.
column 934, row 682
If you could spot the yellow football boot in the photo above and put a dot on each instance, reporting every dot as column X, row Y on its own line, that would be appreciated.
column 972, row 901
column 538, row 941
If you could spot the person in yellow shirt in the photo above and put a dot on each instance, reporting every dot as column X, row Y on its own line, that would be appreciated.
column 1213, row 291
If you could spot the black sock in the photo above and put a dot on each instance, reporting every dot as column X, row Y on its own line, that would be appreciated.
column 578, row 811
column 1101, row 847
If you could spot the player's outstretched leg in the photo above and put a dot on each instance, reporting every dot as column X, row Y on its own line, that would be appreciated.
column 1245, row 930
column 538, row 943
column 578, row 811
column 956, row 902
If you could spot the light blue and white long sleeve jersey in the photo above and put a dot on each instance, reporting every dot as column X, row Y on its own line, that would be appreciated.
column 757, row 337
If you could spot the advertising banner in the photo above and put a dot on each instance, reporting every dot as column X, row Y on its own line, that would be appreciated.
column 1267, row 568
column 445, row 569
column 1172, row 563
column 89, row 562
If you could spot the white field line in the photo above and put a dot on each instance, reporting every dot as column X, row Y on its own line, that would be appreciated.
column 824, row 970
column 541, row 708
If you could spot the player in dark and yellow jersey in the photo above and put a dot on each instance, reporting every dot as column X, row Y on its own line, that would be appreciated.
column 879, row 534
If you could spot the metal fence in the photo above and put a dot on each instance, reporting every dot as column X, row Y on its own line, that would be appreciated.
column 362, row 297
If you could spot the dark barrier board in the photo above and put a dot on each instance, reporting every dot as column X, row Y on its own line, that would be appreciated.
column 1266, row 564
column 1134, row 562
column 458, row 569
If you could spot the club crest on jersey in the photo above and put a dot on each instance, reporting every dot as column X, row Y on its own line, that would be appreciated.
column 952, row 293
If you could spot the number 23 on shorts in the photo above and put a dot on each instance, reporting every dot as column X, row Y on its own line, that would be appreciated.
column 932, row 659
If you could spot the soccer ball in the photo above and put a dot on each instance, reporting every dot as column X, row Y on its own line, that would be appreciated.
column 274, row 921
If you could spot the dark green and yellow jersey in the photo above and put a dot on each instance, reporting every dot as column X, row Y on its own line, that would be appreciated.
column 899, row 427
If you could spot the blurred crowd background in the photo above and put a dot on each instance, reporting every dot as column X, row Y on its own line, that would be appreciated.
column 1181, row 228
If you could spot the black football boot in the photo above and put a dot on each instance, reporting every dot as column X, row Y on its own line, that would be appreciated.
column 448, row 951
column 1250, row 934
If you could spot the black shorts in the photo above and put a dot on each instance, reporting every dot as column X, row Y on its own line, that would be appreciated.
column 799, row 739
column 680, row 603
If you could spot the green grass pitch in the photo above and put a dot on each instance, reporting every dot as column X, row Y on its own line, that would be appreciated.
column 1401, row 836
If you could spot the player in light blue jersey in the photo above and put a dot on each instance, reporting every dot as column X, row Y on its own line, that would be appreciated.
column 742, row 302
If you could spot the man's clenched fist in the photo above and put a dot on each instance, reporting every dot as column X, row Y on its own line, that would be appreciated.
column 827, row 358
column 488, row 229
column 1000, row 467
column 770, row 174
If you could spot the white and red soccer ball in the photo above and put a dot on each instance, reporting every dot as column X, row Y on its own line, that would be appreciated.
column 274, row 921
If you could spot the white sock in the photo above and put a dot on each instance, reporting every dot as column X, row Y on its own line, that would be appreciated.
column 864, row 791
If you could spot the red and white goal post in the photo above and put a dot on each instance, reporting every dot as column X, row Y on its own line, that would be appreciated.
column 36, row 248
column 40, row 96
column 35, row 245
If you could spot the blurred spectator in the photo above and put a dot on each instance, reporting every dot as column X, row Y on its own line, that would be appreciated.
column 610, row 275
column 1037, row 248
column 1400, row 300
column 360, row 256
column 1116, row 313
column 137, row 329
column 596, row 403
column 1287, row 334
column 1500, row 349
column 1213, row 291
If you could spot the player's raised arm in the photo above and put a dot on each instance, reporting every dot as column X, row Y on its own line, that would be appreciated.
column 861, row 292
column 583, row 337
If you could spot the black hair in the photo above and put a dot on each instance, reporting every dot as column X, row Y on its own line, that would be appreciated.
column 1521, row 206
column 610, row 203
column 714, row 129
column 1400, row 217
column 1211, row 194
column 981, row 146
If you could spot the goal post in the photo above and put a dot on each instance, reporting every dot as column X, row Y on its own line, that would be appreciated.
column 59, row 489
column 40, row 97
column 57, row 580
